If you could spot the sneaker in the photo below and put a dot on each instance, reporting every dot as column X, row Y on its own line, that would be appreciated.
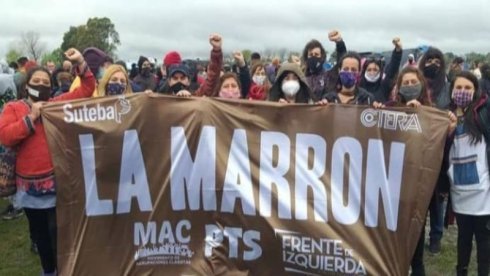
column 435, row 247
column 12, row 214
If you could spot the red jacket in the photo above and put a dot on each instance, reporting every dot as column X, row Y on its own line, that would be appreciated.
column 214, row 70
column 32, row 152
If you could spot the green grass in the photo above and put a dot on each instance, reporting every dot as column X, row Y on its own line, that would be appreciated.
column 16, row 258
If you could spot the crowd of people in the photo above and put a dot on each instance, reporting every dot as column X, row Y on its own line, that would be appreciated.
column 424, row 79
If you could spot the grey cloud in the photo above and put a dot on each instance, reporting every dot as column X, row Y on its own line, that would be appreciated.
column 153, row 28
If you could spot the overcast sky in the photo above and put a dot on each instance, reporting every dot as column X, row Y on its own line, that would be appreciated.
column 153, row 28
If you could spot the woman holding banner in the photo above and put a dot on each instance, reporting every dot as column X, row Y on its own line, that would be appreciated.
column 348, row 90
column 115, row 81
column 21, row 128
column 468, row 157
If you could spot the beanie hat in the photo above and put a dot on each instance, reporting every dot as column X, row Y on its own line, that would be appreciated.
column 94, row 58
column 172, row 58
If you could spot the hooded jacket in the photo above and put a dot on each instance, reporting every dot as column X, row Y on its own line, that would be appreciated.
column 381, row 89
column 304, row 94
column 144, row 83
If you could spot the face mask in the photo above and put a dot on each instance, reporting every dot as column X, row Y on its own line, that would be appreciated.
column 290, row 87
column 65, row 87
column 315, row 64
column 411, row 92
column 145, row 72
column 259, row 79
column 39, row 92
column 462, row 98
column 372, row 77
column 115, row 88
column 229, row 94
column 348, row 79
column 177, row 87
column 431, row 71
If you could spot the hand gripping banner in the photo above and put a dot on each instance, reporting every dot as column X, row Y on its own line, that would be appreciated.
column 157, row 185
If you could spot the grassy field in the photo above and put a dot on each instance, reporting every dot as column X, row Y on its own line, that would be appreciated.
column 16, row 258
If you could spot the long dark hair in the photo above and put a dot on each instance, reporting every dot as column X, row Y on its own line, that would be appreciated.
column 371, row 60
column 22, row 93
column 424, row 97
column 338, row 68
column 470, row 122
column 437, row 83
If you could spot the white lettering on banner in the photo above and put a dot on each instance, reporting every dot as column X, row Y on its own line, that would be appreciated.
column 143, row 236
column 170, row 248
column 98, row 113
column 193, row 180
column 377, row 181
column 238, row 178
column 310, row 177
column 346, row 146
column 307, row 255
column 391, row 120
column 193, row 176
column 270, row 174
column 132, row 181
column 215, row 236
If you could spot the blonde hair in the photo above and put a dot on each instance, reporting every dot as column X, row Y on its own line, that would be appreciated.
column 111, row 70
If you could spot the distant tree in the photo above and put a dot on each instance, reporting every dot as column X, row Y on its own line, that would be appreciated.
column 13, row 55
column 56, row 56
column 32, row 45
column 473, row 57
column 247, row 54
column 98, row 32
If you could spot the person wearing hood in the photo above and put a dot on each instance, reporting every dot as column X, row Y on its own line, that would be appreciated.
column 290, row 86
column 21, row 127
column 347, row 91
column 97, row 62
column 372, row 74
column 145, row 79
column 314, row 56
column 433, row 66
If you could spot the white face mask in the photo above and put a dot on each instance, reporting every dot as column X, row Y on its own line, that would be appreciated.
column 290, row 87
column 372, row 78
column 259, row 79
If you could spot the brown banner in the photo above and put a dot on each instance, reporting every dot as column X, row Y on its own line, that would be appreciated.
column 156, row 185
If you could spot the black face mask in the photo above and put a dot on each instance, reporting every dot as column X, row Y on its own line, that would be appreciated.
column 38, row 92
column 431, row 71
column 177, row 87
column 145, row 72
column 315, row 64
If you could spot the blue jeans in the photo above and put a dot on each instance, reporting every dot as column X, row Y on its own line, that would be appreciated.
column 436, row 211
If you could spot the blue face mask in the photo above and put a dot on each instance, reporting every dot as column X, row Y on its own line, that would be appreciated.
column 348, row 79
column 115, row 88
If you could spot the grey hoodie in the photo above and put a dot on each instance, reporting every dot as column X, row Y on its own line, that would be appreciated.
column 304, row 94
